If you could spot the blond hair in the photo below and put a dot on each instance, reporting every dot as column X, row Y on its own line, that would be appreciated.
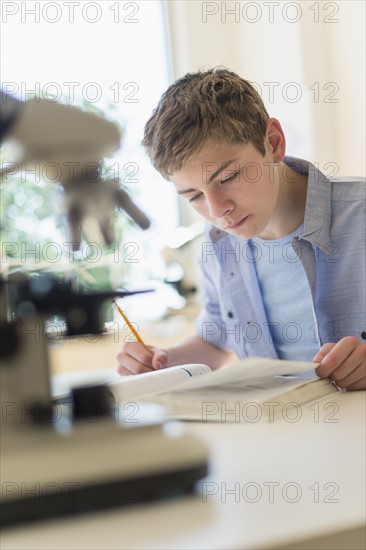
column 216, row 104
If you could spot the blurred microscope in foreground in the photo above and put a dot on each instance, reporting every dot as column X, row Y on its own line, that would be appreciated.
column 71, row 144
column 45, row 470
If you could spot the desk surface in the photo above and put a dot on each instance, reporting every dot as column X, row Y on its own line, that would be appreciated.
column 270, row 485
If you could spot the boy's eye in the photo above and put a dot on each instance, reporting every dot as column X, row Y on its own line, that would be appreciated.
column 231, row 178
column 195, row 197
column 199, row 195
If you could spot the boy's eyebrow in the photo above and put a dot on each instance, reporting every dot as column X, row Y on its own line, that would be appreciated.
column 211, row 178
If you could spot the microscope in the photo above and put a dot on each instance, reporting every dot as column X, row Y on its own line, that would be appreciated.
column 59, row 459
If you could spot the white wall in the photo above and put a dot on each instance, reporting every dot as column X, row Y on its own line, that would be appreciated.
column 317, row 46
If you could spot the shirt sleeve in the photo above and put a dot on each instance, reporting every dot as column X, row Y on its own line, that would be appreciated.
column 209, row 323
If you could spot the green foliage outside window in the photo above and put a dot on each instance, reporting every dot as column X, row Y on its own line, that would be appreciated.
column 33, row 228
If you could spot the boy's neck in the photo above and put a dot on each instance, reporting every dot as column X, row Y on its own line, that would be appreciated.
column 290, row 211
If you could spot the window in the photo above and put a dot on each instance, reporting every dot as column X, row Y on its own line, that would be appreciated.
column 110, row 56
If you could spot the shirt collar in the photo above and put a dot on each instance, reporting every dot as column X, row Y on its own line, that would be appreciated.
column 318, row 203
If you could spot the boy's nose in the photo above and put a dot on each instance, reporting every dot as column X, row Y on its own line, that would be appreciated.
column 219, row 207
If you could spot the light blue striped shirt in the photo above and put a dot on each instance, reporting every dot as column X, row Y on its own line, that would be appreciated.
column 288, row 306
column 331, row 249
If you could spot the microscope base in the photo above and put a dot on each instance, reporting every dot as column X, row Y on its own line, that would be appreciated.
column 45, row 474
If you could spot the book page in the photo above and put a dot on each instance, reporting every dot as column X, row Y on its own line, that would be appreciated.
column 245, row 371
column 251, row 404
column 133, row 387
column 183, row 378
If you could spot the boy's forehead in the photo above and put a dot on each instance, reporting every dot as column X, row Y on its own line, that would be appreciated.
column 215, row 153
column 220, row 150
column 213, row 159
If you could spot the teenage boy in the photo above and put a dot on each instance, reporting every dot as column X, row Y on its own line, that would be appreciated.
column 284, row 255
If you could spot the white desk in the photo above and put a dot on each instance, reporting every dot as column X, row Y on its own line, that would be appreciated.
column 290, row 457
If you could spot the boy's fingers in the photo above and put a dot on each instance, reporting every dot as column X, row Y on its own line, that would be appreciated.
column 336, row 355
column 157, row 364
column 140, row 352
column 130, row 365
column 324, row 350
column 159, row 360
column 354, row 361
column 360, row 385
column 354, row 378
column 134, row 358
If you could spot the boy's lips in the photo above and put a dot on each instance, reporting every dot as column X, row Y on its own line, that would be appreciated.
column 237, row 224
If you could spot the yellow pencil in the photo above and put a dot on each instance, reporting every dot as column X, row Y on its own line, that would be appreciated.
column 134, row 332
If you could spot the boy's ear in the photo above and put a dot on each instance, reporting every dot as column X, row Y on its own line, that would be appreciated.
column 275, row 139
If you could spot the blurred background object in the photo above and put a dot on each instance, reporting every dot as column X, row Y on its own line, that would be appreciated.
column 70, row 144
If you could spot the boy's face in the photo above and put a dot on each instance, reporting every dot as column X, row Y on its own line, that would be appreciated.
column 234, row 187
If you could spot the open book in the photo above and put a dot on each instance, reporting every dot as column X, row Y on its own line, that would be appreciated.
column 247, row 390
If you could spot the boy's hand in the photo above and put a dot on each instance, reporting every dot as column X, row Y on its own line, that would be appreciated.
column 135, row 359
column 343, row 362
